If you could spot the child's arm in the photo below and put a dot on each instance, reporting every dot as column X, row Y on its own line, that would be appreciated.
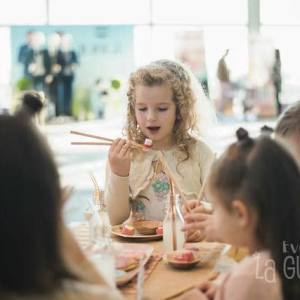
column 117, row 197
column 201, row 221
column 117, row 182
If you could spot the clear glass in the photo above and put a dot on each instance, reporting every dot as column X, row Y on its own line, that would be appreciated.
column 168, row 228
column 101, row 248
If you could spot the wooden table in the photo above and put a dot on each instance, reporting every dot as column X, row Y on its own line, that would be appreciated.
column 165, row 282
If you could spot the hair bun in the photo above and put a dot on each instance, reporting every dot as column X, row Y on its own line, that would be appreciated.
column 32, row 101
column 266, row 130
column 242, row 134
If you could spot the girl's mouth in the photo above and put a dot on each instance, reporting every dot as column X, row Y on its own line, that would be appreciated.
column 153, row 129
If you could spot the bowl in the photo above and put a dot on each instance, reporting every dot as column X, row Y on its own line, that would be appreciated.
column 147, row 227
column 182, row 259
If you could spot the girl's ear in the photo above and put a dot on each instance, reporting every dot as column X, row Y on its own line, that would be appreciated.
column 241, row 212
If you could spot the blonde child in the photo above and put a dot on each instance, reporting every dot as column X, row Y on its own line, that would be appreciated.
column 287, row 130
column 254, row 188
column 162, row 106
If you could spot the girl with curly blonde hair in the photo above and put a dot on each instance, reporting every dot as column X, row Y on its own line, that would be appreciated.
column 162, row 106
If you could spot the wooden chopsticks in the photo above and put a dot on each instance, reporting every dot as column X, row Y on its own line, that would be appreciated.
column 105, row 141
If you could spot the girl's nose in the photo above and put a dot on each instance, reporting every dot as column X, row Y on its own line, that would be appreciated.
column 151, row 116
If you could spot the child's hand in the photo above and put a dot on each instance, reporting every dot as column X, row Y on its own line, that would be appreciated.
column 209, row 289
column 119, row 157
column 200, row 221
column 192, row 205
column 193, row 235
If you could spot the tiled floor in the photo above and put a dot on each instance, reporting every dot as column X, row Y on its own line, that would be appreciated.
column 76, row 162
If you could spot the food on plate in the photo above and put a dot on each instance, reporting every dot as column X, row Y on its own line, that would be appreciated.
column 147, row 227
column 128, row 230
column 159, row 230
column 126, row 263
column 129, row 260
column 182, row 256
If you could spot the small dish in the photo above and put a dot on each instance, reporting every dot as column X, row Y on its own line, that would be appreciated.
column 147, row 227
column 182, row 259
column 117, row 231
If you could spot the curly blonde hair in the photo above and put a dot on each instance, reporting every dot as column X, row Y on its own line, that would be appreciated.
column 178, row 78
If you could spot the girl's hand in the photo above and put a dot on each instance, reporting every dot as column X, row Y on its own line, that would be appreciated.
column 193, row 206
column 209, row 289
column 119, row 157
column 200, row 221
column 193, row 236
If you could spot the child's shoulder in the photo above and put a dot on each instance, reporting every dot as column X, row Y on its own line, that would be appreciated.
column 200, row 146
column 253, row 278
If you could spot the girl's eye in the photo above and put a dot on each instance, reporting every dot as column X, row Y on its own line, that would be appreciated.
column 142, row 109
column 163, row 109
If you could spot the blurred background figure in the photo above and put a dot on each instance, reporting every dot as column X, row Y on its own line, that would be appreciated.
column 226, row 93
column 70, row 62
column 24, row 51
column 99, row 98
column 53, row 79
column 276, row 79
column 32, row 104
column 38, row 62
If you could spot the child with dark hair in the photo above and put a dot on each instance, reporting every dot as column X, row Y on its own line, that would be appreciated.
column 32, row 104
column 254, row 189
column 40, row 258
column 287, row 130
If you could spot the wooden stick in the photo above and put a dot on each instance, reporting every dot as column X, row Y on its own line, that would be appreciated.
column 90, row 143
column 92, row 136
column 176, row 295
column 174, row 232
column 202, row 191
column 212, row 276
column 133, row 144
column 170, row 175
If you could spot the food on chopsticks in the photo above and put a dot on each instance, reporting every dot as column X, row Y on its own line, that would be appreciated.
column 148, row 143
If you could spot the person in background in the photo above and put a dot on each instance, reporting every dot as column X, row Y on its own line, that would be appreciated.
column 226, row 92
column 162, row 106
column 32, row 104
column 287, row 130
column 276, row 79
column 37, row 62
column 40, row 258
column 53, row 79
column 254, row 188
column 69, row 65
column 24, row 51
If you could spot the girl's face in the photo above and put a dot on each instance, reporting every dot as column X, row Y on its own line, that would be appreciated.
column 155, row 113
column 235, row 226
